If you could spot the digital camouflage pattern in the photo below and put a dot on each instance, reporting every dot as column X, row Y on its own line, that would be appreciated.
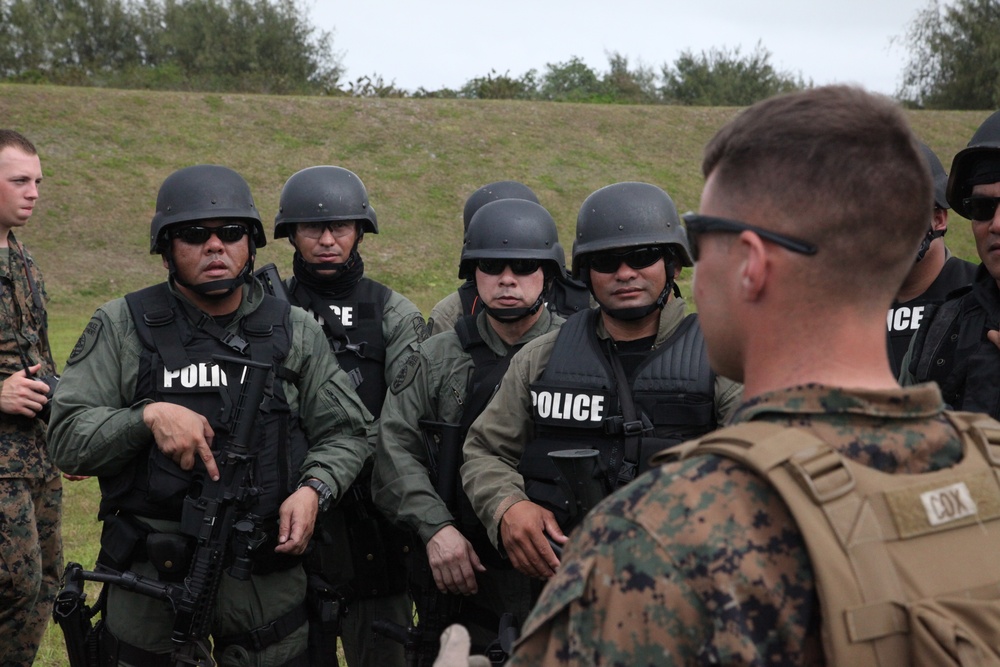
column 700, row 562
column 30, row 486
column 30, row 564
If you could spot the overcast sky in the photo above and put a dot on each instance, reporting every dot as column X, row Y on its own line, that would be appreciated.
column 444, row 43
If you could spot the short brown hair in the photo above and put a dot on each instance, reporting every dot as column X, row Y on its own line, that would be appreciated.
column 17, row 140
column 838, row 167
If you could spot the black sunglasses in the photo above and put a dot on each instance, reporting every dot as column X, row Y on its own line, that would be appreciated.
column 520, row 267
column 981, row 209
column 637, row 258
column 196, row 234
column 702, row 224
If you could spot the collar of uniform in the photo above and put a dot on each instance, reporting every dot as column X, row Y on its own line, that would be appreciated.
column 918, row 401
column 670, row 318
column 246, row 305
column 496, row 344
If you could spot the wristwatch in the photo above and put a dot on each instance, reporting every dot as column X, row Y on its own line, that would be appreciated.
column 324, row 492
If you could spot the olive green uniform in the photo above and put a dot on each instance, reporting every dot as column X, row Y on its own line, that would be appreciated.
column 498, row 437
column 445, row 314
column 96, row 430
column 30, row 485
column 433, row 385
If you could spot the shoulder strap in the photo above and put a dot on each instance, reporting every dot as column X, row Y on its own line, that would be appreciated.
column 488, row 370
column 155, row 321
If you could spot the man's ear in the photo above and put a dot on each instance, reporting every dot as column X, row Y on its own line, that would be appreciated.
column 939, row 221
column 753, row 266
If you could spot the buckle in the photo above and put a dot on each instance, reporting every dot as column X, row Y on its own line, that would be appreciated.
column 234, row 342
column 822, row 472
column 264, row 636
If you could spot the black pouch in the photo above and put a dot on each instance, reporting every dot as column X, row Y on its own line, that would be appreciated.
column 119, row 538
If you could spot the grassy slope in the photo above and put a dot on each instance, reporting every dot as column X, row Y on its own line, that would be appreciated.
column 105, row 152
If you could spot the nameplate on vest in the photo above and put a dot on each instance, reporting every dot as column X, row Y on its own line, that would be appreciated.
column 569, row 408
column 195, row 376
column 931, row 507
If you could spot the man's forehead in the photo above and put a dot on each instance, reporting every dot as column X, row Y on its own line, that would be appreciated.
column 13, row 159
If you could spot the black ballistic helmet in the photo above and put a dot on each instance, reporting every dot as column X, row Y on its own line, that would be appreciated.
column 324, row 194
column 984, row 147
column 938, row 175
column 513, row 229
column 203, row 192
column 492, row 192
column 626, row 215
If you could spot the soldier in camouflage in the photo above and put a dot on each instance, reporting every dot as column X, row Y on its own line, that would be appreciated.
column 30, row 486
column 799, row 253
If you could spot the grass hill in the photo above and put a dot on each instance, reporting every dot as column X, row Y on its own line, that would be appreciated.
column 105, row 152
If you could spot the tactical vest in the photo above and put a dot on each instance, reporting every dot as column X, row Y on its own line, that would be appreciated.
column 488, row 370
column 176, row 366
column 353, row 326
column 577, row 404
column 905, row 565
column 952, row 349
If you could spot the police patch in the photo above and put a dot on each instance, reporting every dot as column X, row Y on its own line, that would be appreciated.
column 86, row 342
column 406, row 374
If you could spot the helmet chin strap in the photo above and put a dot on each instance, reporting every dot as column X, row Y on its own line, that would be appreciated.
column 514, row 314
column 925, row 245
column 639, row 312
column 216, row 290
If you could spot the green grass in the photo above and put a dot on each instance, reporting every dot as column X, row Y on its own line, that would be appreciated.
column 105, row 153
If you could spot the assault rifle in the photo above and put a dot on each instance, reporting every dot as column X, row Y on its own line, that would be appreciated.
column 271, row 280
column 213, row 518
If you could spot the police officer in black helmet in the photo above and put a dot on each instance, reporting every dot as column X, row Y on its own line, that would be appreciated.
column 141, row 407
column 935, row 273
column 957, row 344
column 626, row 378
column 324, row 212
column 564, row 295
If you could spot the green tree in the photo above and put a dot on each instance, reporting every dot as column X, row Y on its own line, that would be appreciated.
column 245, row 45
column 723, row 77
column 624, row 85
column 954, row 60
column 571, row 81
column 495, row 86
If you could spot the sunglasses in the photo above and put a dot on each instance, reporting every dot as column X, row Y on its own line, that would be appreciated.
column 981, row 209
column 196, row 234
column 314, row 230
column 704, row 224
column 638, row 258
column 520, row 267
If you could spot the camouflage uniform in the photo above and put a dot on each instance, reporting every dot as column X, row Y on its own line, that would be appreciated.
column 497, row 439
column 96, row 429
column 30, row 485
column 700, row 561
column 433, row 385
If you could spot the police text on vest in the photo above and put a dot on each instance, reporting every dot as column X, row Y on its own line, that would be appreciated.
column 566, row 405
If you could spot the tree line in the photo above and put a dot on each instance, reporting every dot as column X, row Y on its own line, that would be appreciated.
column 268, row 46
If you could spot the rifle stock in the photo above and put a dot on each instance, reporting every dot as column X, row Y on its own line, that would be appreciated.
column 582, row 480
